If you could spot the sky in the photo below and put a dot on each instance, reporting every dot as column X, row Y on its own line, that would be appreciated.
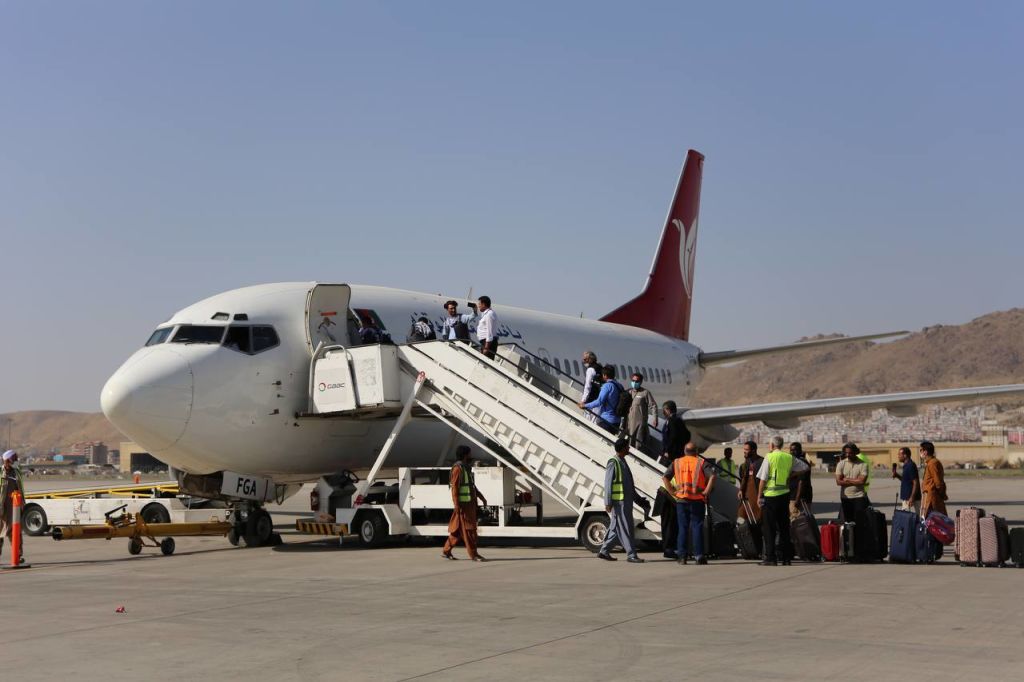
column 863, row 165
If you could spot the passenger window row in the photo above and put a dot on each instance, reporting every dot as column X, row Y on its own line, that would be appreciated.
column 654, row 375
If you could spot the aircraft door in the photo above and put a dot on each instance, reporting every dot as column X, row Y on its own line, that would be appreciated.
column 326, row 315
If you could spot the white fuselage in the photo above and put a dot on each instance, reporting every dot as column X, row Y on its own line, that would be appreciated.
column 204, row 406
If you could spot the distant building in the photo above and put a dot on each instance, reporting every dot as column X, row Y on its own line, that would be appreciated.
column 135, row 458
column 95, row 452
column 114, row 457
column 71, row 459
column 993, row 433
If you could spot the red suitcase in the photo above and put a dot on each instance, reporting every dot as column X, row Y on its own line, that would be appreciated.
column 830, row 541
column 994, row 540
column 941, row 527
column 967, row 536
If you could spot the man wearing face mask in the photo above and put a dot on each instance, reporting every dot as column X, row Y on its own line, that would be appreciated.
column 634, row 426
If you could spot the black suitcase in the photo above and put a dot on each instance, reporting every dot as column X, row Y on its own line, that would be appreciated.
column 903, row 543
column 723, row 541
column 748, row 536
column 803, row 530
column 1017, row 547
column 928, row 550
column 871, row 540
column 847, row 542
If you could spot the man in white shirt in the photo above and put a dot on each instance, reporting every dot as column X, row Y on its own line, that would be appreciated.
column 487, row 327
column 591, row 377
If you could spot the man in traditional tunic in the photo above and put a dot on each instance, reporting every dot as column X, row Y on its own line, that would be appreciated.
column 462, row 527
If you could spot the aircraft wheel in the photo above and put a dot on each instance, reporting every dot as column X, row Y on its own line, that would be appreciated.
column 134, row 546
column 593, row 531
column 167, row 546
column 234, row 537
column 258, row 528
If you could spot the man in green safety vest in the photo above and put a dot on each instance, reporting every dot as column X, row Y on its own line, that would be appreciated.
column 773, row 498
column 10, row 482
column 619, row 495
column 728, row 466
column 462, row 526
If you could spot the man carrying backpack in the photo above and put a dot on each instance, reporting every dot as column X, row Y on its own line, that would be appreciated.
column 608, row 401
column 421, row 330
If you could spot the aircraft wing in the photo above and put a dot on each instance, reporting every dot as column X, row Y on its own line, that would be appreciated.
column 715, row 423
column 728, row 356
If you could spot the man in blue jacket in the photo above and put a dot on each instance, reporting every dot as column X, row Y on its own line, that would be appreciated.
column 607, row 401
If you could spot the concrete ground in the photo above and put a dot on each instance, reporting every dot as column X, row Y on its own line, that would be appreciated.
column 310, row 610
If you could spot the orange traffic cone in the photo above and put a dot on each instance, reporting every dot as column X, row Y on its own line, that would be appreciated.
column 17, row 561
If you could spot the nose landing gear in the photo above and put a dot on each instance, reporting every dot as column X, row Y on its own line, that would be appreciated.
column 253, row 526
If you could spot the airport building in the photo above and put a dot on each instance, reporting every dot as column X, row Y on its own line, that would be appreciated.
column 94, row 452
column 135, row 458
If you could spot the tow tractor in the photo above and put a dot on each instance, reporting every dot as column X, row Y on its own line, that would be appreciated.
column 159, row 502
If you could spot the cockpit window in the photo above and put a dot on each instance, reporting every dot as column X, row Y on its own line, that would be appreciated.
column 159, row 336
column 263, row 338
column 251, row 340
column 238, row 339
column 193, row 333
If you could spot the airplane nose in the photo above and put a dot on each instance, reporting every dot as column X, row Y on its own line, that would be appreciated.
column 149, row 398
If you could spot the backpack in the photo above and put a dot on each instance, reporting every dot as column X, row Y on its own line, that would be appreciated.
column 460, row 327
column 624, row 403
column 415, row 333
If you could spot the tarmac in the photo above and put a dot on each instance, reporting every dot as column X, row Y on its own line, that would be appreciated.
column 311, row 610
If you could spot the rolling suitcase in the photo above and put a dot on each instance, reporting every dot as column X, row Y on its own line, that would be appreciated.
column 847, row 542
column 967, row 537
column 928, row 549
column 806, row 540
column 903, row 542
column 748, row 535
column 993, row 541
column 872, row 541
column 1017, row 547
column 830, row 541
column 723, row 541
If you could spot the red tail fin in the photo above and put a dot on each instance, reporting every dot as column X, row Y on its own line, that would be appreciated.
column 664, row 304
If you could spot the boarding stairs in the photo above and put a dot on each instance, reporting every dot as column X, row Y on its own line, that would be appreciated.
column 524, row 419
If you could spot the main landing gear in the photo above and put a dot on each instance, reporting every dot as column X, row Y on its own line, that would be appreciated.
column 253, row 526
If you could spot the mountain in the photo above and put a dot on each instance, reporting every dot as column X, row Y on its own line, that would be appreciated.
column 987, row 350
column 40, row 431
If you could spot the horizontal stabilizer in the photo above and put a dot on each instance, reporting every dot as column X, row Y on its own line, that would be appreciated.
column 726, row 356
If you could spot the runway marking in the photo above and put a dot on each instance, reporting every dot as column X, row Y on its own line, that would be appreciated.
column 615, row 624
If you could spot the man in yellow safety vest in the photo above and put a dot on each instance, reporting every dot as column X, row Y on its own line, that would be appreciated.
column 773, row 498
column 619, row 496
column 462, row 526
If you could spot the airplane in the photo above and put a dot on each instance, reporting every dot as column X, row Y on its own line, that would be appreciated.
column 219, row 386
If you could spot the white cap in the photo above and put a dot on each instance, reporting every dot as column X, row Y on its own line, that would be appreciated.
column 9, row 455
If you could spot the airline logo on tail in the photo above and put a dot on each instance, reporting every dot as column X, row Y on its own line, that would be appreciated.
column 687, row 252
column 664, row 304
